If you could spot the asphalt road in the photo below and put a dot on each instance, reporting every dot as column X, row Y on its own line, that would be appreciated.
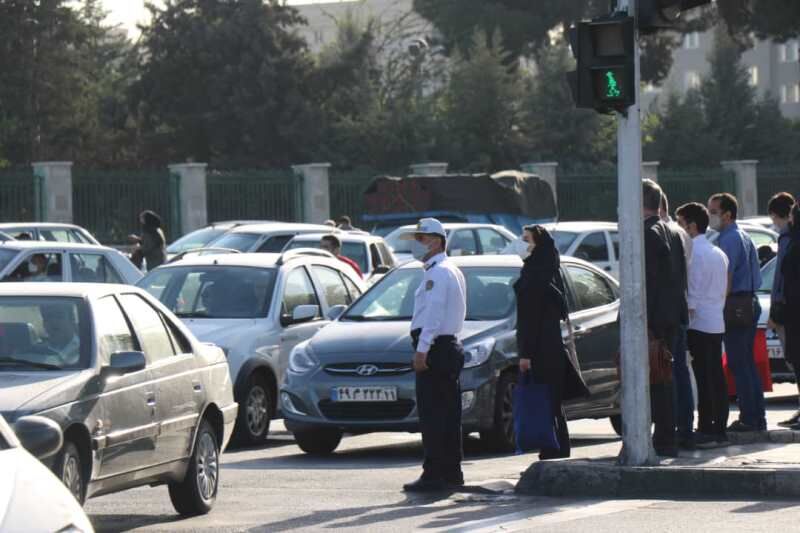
column 278, row 488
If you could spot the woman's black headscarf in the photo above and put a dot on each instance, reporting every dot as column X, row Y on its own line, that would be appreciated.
column 540, row 273
column 794, row 229
column 151, row 220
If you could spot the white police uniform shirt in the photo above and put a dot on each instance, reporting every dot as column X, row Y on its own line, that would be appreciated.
column 440, row 303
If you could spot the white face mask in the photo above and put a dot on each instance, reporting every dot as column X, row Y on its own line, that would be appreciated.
column 520, row 248
column 419, row 250
column 715, row 222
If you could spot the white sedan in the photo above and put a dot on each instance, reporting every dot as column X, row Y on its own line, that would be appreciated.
column 60, row 261
column 27, row 487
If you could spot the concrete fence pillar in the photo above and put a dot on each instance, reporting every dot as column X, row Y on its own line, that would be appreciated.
column 428, row 169
column 56, row 190
column 746, row 174
column 547, row 171
column 650, row 170
column 192, row 201
column 316, row 201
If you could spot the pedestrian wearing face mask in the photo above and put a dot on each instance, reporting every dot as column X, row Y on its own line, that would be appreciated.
column 742, row 311
column 790, row 268
column 779, row 209
column 439, row 312
column 541, row 306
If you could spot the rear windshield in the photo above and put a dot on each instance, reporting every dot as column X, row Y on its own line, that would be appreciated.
column 41, row 333
column 243, row 242
column 352, row 250
column 564, row 240
column 195, row 239
column 212, row 291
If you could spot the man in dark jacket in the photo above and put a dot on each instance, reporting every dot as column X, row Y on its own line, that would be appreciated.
column 667, row 311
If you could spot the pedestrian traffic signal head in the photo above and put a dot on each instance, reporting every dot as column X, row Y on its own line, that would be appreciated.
column 604, row 50
column 657, row 15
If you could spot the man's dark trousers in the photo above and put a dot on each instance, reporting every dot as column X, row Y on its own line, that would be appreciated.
column 684, row 399
column 712, row 388
column 662, row 406
column 439, row 409
column 739, row 350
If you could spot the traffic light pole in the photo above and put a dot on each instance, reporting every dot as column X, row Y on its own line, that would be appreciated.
column 637, row 448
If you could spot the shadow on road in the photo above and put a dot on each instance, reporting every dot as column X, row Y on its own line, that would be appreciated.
column 114, row 522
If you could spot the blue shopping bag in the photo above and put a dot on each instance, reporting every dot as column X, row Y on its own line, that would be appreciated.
column 533, row 416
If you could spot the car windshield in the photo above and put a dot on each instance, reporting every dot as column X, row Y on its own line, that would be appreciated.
column 767, row 277
column 6, row 256
column 490, row 295
column 352, row 250
column 243, row 242
column 195, row 239
column 43, row 333
column 212, row 291
column 564, row 240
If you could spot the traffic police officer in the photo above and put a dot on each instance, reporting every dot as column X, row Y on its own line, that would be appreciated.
column 439, row 312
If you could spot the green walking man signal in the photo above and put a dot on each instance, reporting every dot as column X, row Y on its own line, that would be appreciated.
column 612, row 88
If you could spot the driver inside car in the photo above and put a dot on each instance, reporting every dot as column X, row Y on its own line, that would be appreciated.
column 62, row 346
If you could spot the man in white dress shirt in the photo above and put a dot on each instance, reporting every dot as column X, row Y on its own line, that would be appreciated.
column 708, row 287
column 439, row 312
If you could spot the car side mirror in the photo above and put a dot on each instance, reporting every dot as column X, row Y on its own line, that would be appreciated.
column 381, row 269
column 336, row 311
column 125, row 363
column 301, row 313
column 41, row 436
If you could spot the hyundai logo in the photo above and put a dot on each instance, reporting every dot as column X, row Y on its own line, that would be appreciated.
column 367, row 370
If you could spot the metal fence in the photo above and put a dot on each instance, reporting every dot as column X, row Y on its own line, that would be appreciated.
column 588, row 196
column 108, row 203
column 254, row 195
column 347, row 192
column 772, row 180
column 686, row 186
column 20, row 196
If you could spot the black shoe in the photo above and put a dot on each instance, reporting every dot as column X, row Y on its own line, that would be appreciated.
column 687, row 443
column 454, row 482
column 425, row 485
column 546, row 456
column 795, row 419
column 741, row 427
column 667, row 451
column 705, row 441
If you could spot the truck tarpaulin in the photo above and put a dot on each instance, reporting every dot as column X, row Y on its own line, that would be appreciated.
column 508, row 192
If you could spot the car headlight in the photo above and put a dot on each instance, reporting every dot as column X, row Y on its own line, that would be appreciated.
column 478, row 353
column 301, row 360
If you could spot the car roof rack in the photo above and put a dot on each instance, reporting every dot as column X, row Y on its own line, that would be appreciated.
column 303, row 252
column 200, row 251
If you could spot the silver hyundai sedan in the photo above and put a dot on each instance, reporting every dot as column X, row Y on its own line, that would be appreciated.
column 355, row 376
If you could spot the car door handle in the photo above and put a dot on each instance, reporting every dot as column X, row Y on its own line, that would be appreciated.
column 151, row 400
column 198, row 387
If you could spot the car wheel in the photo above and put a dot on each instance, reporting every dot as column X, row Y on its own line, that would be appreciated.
column 500, row 437
column 195, row 495
column 616, row 423
column 318, row 441
column 252, row 426
column 70, row 470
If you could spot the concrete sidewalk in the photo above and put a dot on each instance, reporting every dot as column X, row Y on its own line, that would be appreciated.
column 764, row 465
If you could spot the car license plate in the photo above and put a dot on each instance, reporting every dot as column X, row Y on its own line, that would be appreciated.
column 775, row 352
column 364, row 394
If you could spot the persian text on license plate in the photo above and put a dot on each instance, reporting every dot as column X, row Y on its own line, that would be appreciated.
column 364, row 394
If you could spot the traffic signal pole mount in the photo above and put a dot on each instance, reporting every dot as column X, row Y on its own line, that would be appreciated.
column 637, row 447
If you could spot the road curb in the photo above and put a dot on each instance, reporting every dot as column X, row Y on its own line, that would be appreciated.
column 774, row 436
column 606, row 479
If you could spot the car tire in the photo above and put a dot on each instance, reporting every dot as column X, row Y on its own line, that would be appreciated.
column 71, row 471
column 318, row 441
column 252, row 424
column 196, row 494
column 500, row 438
column 616, row 423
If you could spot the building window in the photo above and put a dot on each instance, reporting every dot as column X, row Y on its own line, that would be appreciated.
column 784, row 94
column 691, row 41
column 691, row 80
column 794, row 51
column 783, row 53
column 796, row 93
column 753, row 72
column 318, row 37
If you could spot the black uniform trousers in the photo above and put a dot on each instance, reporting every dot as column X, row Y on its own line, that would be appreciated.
column 439, row 408
column 712, row 388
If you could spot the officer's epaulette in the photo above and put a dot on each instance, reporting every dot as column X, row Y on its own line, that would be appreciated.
column 428, row 267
